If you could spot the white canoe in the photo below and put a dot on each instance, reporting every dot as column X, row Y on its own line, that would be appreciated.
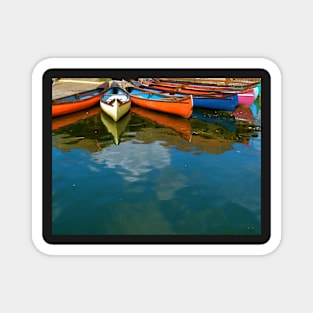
column 115, row 102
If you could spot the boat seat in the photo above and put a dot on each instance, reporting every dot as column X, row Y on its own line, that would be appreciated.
column 119, row 97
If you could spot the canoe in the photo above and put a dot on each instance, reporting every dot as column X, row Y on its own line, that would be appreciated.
column 181, row 106
column 177, row 88
column 116, row 129
column 228, row 103
column 246, row 93
column 115, row 102
column 214, row 101
column 230, row 81
column 78, row 102
column 246, row 98
column 236, row 84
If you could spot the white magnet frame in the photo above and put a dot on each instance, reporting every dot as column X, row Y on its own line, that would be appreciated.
column 156, row 249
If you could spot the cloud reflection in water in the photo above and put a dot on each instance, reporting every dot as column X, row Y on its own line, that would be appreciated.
column 133, row 159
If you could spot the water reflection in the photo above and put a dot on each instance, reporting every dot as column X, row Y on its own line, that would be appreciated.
column 133, row 159
column 204, row 132
column 155, row 174
column 115, row 128
column 61, row 121
column 249, row 114
column 180, row 125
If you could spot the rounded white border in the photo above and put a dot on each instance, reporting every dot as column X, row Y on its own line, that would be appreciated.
column 133, row 249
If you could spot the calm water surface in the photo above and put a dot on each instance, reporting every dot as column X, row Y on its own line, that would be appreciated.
column 152, row 173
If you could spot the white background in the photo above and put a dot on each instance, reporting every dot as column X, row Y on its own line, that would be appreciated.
column 32, row 31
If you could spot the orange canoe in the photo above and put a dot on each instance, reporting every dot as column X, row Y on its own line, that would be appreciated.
column 158, row 102
column 77, row 102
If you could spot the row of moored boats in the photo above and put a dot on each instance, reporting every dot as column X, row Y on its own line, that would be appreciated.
column 173, row 96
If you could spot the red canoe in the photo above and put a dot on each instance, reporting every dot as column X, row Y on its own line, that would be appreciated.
column 77, row 102
column 245, row 92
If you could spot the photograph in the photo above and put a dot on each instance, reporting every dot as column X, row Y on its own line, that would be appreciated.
column 156, row 159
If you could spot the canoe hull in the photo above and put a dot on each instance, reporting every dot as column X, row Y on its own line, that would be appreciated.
column 225, row 104
column 177, row 106
column 246, row 98
column 115, row 102
column 78, row 102
column 115, row 109
column 67, row 108
column 215, row 102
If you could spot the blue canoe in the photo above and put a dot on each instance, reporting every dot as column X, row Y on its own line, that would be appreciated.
column 223, row 102
column 228, row 103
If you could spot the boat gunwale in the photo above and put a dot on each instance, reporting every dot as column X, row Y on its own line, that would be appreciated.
column 221, row 94
column 204, row 84
column 115, row 94
column 101, row 88
column 164, row 98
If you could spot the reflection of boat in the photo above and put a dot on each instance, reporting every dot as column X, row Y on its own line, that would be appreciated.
column 181, row 106
column 115, row 128
column 207, row 135
column 61, row 121
column 245, row 92
column 219, row 131
column 213, row 135
column 226, row 121
column 77, row 102
column 248, row 114
column 243, row 114
column 115, row 102
column 180, row 125
column 214, row 145
column 213, row 101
